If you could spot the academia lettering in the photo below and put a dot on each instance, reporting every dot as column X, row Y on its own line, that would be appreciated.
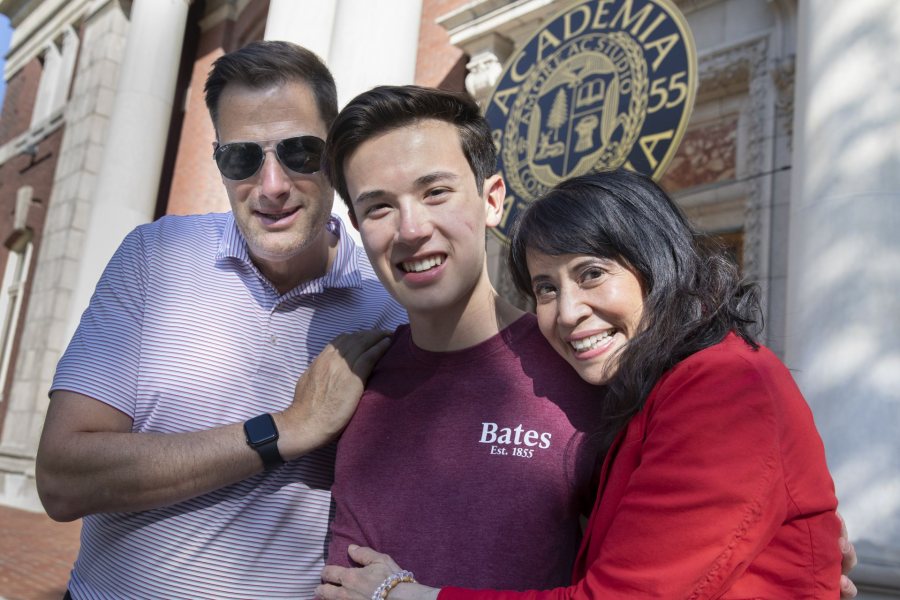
column 605, row 84
column 603, row 15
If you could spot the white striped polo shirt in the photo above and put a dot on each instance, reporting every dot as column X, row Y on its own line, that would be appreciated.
column 183, row 333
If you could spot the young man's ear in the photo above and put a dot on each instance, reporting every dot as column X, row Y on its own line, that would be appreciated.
column 495, row 192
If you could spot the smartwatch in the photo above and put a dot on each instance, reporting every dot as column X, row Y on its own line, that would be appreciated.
column 262, row 436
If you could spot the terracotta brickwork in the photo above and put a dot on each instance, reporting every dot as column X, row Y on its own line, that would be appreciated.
column 37, row 555
column 37, row 172
column 439, row 64
column 196, row 185
column 18, row 103
column 249, row 26
column 707, row 155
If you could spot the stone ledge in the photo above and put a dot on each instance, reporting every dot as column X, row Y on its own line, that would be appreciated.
column 19, row 490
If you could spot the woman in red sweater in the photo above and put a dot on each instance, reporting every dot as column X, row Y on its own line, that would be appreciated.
column 714, row 483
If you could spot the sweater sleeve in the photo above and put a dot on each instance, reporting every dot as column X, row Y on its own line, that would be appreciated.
column 702, row 498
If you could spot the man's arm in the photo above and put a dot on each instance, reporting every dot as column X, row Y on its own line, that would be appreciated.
column 89, row 461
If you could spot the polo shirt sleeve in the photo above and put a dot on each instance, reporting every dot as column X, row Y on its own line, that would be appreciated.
column 102, row 360
column 702, row 498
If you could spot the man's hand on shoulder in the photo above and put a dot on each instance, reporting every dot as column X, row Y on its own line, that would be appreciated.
column 326, row 396
column 90, row 461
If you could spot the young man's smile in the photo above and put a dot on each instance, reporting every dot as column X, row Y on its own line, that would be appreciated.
column 420, row 214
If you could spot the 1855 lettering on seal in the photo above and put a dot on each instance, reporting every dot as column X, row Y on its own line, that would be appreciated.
column 606, row 83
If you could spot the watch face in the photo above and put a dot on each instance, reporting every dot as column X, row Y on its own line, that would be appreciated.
column 260, row 430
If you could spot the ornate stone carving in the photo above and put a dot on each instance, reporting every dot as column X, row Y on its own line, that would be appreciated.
column 743, row 69
column 688, row 6
column 726, row 72
column 783, row 71
column 484, row 71
column 756, row 167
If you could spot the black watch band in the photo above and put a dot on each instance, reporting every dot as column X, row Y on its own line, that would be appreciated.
column 262, row 436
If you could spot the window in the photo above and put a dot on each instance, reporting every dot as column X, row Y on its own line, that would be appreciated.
column 11, row 293
column 56, row 78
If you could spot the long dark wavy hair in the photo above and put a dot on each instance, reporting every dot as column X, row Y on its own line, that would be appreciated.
column 694, row 294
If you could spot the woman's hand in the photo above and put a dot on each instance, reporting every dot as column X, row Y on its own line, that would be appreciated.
column 341, row 583
column 848, row 556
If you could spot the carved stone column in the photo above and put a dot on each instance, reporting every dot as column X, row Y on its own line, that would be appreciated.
column 292, row 21
column 128, row 180
column 844, row 262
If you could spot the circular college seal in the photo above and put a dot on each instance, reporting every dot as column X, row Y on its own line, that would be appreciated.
column 606, row 83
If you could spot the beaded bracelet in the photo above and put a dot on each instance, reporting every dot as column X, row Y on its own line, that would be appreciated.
column 392, row 581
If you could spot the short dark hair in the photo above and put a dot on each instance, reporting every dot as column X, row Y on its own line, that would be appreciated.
column 390, row 107
column 265, row 63
column 693, row 292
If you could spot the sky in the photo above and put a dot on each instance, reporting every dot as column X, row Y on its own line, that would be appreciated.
column 5, row 33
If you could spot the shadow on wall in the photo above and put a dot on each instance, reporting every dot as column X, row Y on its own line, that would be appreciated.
column 847, row 299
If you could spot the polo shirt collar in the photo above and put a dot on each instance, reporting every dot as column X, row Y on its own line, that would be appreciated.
column 344, row 271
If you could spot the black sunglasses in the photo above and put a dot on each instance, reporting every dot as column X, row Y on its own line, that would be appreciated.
column 240, row 160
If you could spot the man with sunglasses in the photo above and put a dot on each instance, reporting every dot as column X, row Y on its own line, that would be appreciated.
column 177, row 426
